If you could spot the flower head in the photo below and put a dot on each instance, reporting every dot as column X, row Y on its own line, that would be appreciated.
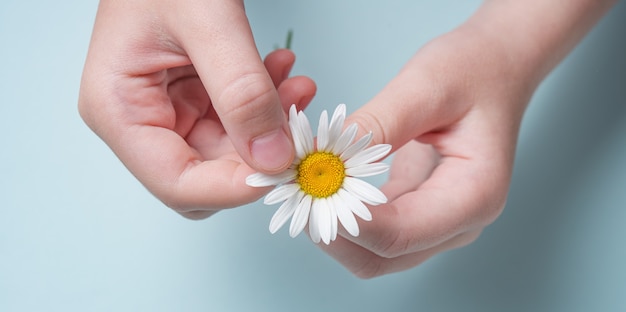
column 322, row 186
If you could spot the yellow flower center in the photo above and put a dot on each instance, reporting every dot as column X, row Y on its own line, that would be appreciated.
column 321, row 174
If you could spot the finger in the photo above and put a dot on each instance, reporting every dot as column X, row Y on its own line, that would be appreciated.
column 366, row 264
column 459, row 196
column 296, row 90
column 411, row 104
column 279, row 63
column 179, row 176
column 412, row 164
column 217, row 37
column 189, row 99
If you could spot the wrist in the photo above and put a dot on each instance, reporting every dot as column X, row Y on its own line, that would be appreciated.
column 535, row 35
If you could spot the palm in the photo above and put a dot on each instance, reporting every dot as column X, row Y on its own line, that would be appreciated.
column 196, row 120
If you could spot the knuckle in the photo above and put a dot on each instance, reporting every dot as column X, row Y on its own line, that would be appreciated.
column 392, row 245
column 368, row 121
column 247, row 99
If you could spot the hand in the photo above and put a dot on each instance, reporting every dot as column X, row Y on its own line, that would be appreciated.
column 450, row 175
column 454, row 113
column 180, row 94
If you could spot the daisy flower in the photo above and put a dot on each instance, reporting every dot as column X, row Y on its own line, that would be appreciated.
column 322, row 186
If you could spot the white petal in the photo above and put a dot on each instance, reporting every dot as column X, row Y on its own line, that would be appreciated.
column 307, row 133
column 333, row 218
column 285, row 212
column 358, row 146
column 368, row 155
column 364, row 191
column 325, row 225
column 296, row 133
column 314, row 230
column 300, row 216
column 355, row 205
column 367, row 170
column 260, row 179
column 345, row 139
column 293, row 114
column 336, row 124
column 300, row 149
column 322, row 132
column 345, row 216
column 281, row 193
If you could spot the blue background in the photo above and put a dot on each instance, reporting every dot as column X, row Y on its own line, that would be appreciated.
column 79, row 233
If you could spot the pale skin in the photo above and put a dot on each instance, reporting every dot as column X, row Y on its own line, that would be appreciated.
column 179, row 92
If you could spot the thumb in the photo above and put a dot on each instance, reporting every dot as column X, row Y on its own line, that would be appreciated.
column 219, row 42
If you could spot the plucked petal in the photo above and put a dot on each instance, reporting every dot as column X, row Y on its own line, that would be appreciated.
column 261, row 179
column 345, row 216
column 314, row 230
column 367, row 170
column 300, row 216
column 285, row 212
column 358, row 146
column 355, row 205
column 364, row 191
column 369, row 155
column 345, row 139
column 281, row 193
column 322, row 132
column 336, row 124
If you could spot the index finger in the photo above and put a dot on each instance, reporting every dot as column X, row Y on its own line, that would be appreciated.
column 218, row 40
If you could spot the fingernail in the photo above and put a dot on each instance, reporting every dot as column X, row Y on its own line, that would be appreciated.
column 272, row 151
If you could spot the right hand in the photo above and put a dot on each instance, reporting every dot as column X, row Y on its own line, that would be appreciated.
column 178, row 91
